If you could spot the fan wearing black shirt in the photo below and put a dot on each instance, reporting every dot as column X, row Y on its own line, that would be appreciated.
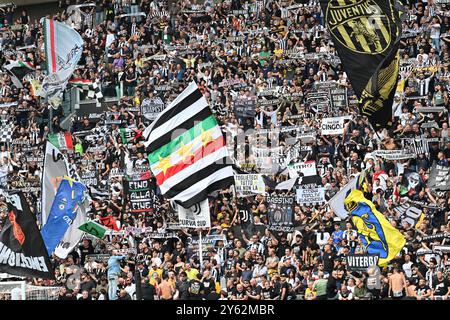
column 284, row 287
column 196, row 288
column 253, row 290
column 267, row 292
column 209, row 286
column 422, row 291
column 282, row 246
column 182, row 287
column 246, row 260
column 239, row 293
column 332, row 286
column 328, row 258
column 148, row 290
column 86, row 248
column 441, row 286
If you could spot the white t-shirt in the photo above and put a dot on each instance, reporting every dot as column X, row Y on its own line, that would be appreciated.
column 110, row 37
column 435, row 31
column 407, row 268
column 131, row 290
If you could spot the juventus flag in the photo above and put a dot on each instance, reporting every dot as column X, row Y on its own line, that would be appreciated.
column 22, row 250
column 416, row 145
column 246, row 218
column 367, row 34
column 197, row 216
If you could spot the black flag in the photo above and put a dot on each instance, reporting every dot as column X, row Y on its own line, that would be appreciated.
column 367, row 35
column 22, row 250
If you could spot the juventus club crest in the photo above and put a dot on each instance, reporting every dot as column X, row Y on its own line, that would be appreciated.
column 359, row 25
column 190, row 212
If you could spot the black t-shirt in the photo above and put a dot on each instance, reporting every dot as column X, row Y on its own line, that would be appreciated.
column 276, row 289
column 182, row 288
column 282, row 249
column 239, row 294
column 332, row 287
column 196, row 287
column 208, row 286
column 441, row 287
column 88, row 286
column 414, row 279
column 328, row 261
column 422, row 291
column 284, row 285
column 267, row 293
column 85, row 251
column 254, row 291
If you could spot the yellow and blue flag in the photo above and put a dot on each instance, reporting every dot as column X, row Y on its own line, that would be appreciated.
column 376, row 233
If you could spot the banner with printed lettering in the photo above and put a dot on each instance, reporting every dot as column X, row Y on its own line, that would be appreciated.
column 207, row 242
column 281, row 213
column 339, row 98
column 140, row 192
column 89, row 178
column 306, row 171
column 197, row 216
column 360, row 262
column 22, row 249
column 310, row 196
column 415, row 146
column 333, row 126
column 439, row 178
column 152, row 107
column 249, row 184
column 245, row 107
column 394, row 154
column 268, row 160
column 411, row 214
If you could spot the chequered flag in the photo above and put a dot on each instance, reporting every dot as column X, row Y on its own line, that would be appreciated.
column 95, row 92
column 6, row 132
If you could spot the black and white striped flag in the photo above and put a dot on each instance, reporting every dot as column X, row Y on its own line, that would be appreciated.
column 187, row 151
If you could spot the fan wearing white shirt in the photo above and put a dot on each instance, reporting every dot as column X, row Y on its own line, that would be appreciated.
column 322, row 236
column 407, row 266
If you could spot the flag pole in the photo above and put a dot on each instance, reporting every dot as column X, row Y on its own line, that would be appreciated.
column 200, row 252
column 50, row 121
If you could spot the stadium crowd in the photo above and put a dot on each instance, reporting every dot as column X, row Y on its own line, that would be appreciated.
column 236, row 50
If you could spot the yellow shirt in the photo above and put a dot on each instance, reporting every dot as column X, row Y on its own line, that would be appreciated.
column 278, row 52
column 401, row 86
column 309, row 294
column 139, row 63
column 224, row 226
column 189, row 62
column 153, row 274
column 191, row 274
